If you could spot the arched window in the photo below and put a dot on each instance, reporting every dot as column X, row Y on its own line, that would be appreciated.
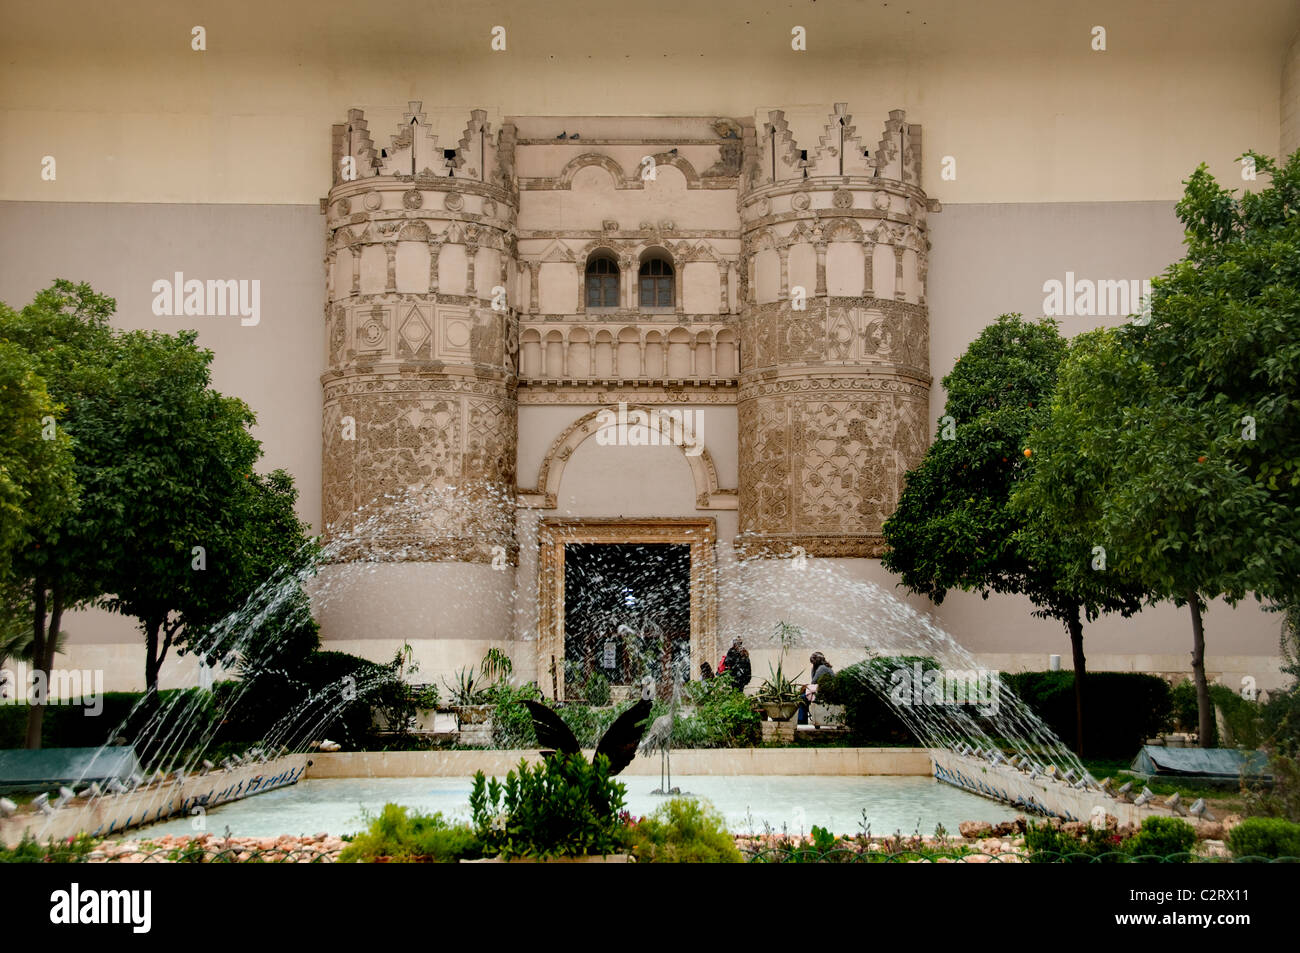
column 656, row 283
column 602, row 283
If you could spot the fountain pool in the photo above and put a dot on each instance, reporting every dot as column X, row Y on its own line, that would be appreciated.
column 334, row 805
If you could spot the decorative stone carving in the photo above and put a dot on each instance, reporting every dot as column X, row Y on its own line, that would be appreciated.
column 373, row 201
column 412, row 199
column 833, row 400
column 453, row 201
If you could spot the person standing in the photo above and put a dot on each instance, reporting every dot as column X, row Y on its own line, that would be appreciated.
column 741, row 672
column 820, row 668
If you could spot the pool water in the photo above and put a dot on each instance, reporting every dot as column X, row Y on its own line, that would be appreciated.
column 749, row 804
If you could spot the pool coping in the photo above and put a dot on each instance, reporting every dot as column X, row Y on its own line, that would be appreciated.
column 910, row 762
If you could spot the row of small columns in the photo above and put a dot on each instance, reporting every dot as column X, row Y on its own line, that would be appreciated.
column 390, row 251
column 868, row 266
column 617, row 372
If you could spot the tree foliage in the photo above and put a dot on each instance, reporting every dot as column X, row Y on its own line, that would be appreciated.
column 1173, row 441
column 957, row 525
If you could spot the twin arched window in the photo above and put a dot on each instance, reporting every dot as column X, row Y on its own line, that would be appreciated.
column 655, row 283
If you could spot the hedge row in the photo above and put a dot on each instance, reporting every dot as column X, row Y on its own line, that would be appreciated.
column 1123, row 708
column 307, row 700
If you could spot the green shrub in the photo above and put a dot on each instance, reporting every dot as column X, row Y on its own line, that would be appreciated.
column 724, row 717
column 589, row 724
column 1270, row 837
column 324, row 694
column 1048, row 844
column 73, row 726
column 1123, row 709
column 684, row 831
column 512, row 725
column 564, row 807
column 30, row 851
column 863, row 690
column 596, row 691
column 403, row 835
column 1162, row 837
column 1280, row 722
column 1243, row 717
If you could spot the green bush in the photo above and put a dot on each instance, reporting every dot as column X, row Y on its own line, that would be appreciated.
column 863, row 690
column 1244, row 718
column 724, row 717
column 684, row 831
column 1162, row 837
column 564, row 807
column 589, row 724
column 73, row 726
column 1123, row 709
column 30, row 851
column 596, row 690
column 403, row 835
column 1048, row 844
column 1280, row 722
column 324, row 694
column 512, row 725
column 1270, row 837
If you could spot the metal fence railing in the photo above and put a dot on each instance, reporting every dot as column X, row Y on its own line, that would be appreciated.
column 842, row 855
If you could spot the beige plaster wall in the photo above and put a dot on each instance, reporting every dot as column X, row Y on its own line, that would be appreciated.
column 1290, row 99
column 1011, row 89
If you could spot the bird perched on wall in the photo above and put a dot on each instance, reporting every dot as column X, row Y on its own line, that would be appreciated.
column 563, row 135
column 618, row 743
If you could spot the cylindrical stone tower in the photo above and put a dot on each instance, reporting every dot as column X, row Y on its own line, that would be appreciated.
column 420, row 421
column 834, row 374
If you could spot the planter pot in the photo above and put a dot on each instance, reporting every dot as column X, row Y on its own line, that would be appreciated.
column 587, row 859
column 779, row 711
column 829, row 715
column 474, row 714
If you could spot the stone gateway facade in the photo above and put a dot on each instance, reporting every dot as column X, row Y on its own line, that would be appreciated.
column 552, row 271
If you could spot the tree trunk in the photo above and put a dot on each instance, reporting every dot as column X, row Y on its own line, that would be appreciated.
column 1204, row 708
column 1075, row 626
column 36, row 712
column 152, row 663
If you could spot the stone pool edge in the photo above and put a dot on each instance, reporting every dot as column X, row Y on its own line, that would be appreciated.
column 896, row 762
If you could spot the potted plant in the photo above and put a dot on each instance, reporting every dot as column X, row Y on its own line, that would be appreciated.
column 778, row 696
column 473, row 698
column 425, row 700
